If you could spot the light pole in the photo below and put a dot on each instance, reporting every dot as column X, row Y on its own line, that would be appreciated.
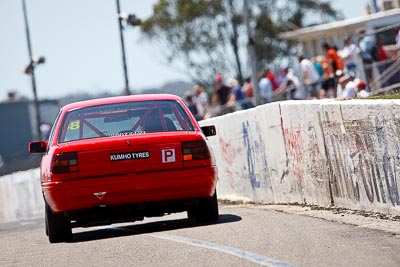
column 30, row 69
column 133, row 21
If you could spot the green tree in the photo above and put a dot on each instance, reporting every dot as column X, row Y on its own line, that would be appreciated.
column 208, row 35
column 299, row 9
column 194, row 32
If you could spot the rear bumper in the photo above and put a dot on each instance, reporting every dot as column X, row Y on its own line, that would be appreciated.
column 105, row 215
column 122, row 190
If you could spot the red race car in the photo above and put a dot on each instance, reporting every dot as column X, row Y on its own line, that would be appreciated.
column 121, row 159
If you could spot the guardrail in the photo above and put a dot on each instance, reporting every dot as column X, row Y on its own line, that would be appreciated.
column 387, row 73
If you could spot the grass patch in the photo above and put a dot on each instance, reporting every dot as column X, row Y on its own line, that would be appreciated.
column 391, row 96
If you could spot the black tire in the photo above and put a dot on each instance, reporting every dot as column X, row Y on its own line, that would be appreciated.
column 206, row 211
column 58, row 227
column 46, row 224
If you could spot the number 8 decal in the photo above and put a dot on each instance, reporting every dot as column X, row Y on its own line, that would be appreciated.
column 74, row 125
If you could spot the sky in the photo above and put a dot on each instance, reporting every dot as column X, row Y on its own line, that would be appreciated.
column 80, row 41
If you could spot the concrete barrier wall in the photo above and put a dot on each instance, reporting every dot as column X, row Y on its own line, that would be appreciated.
column 21, row 196
column 362, row 141
column 345, row 153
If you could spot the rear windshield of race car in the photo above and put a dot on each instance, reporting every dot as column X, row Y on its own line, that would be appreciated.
column 124, row 119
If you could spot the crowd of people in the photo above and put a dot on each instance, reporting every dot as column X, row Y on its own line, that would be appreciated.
column 332, row 75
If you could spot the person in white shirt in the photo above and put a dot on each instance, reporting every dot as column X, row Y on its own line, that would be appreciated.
column 348, row 87
column 310, row 76
column 349, row 53
column 201, row 100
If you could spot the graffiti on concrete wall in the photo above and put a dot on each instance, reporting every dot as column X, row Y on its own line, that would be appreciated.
column 256, row 158
column 294, row 144
column 226, row 151
column 359, row 158
column 342, row 175
column 228, row 157
column 294, row 153
column 390, row 161
column 316, row 160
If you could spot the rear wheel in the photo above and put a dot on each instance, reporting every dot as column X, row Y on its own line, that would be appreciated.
column 206, row 210
column 58, row 227
column 46, row 224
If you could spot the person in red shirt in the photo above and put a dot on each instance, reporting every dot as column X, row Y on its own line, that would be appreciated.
column 382, row 56
column 270, row 75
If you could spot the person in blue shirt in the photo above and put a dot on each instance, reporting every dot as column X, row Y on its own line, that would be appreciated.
column 366, row 45
column 238, row 94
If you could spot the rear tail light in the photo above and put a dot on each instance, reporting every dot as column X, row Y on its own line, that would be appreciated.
column 64, row 163
column 195, row 150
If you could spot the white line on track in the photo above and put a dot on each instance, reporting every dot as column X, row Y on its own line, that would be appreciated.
column 253, row 257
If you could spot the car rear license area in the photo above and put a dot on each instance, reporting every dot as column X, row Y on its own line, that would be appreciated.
column 124, row 157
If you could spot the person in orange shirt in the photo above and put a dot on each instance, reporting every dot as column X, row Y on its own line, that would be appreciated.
column 332, row 57
column 329, row 78
column 335, row 62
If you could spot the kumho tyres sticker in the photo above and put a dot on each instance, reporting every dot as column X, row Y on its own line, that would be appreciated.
column 130, row 156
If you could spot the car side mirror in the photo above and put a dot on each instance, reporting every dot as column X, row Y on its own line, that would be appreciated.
column 209, row 130
column 37, row 147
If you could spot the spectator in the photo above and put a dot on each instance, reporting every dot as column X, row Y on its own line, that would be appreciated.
column 281, row 76
column 290, row 85
column 362, row 90
column 270, row 75
column 281, row 82
column 335, row 64
column 248, row 87
column 266, row 89
column 349, row 53
column 366, row 45
column 332, row 57
column 248, row 90
column 339, row 89
column 323, row 94
column 381, row 56
column 238, row 96
column 310, row 76
column 222, row 96
column 293, row 84
column 201, row 101
column 348, row 87
column 190, row 104
column 329, row 78
column 318, row 67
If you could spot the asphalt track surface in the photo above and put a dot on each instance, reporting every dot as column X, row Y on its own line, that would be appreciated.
column 246, row 235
